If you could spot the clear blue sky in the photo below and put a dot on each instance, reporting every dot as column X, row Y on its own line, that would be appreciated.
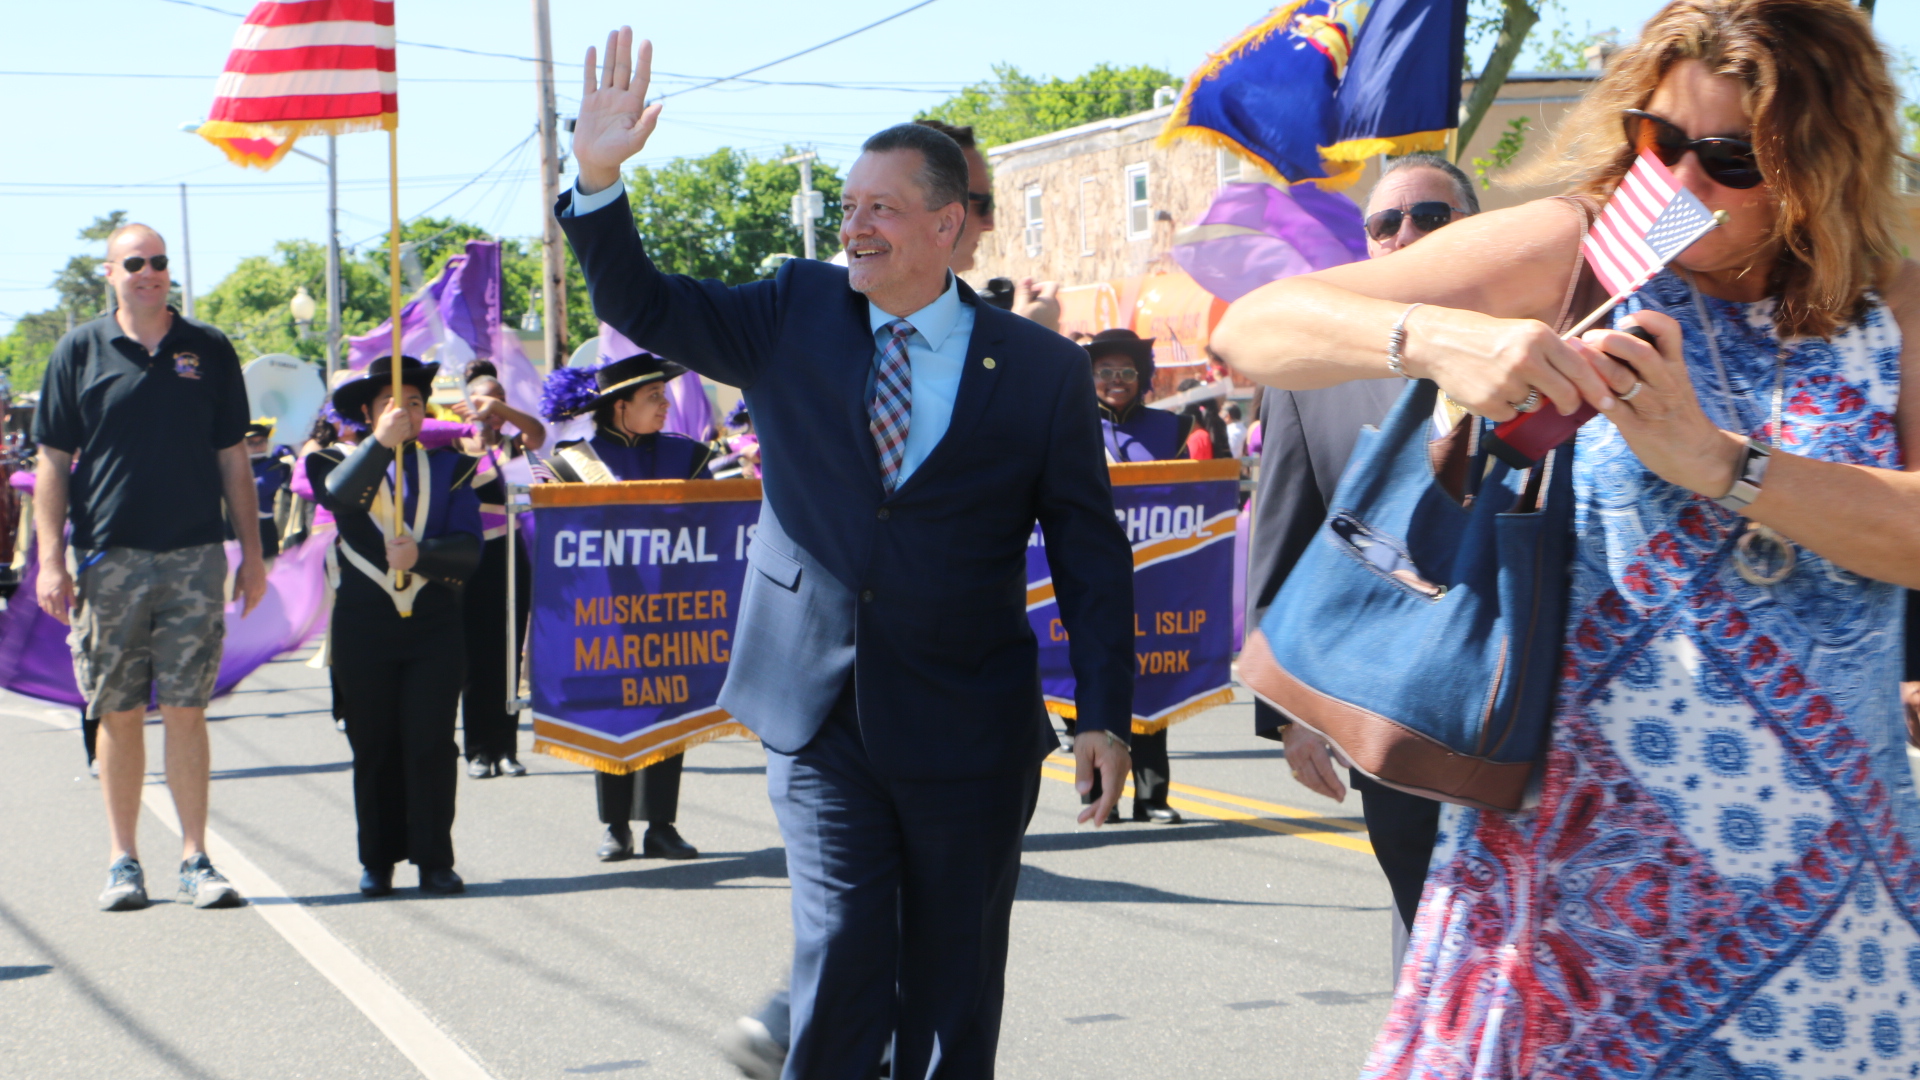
column 82, row 146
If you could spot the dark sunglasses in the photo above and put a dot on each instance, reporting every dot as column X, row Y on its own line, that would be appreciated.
column 134, row 263
column 1728, row 162
column 1427, row 216
column 983, row 201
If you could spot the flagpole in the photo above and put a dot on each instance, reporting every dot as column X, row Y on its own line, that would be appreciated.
column 394, row 306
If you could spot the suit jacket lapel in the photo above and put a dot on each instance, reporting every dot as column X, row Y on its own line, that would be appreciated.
column 977, row 381
column 852, row 378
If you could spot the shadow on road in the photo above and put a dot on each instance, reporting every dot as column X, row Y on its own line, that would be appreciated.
column 711, row 870
column 281, row 770
column 24, row 971
column 1039, row 884
column 1137, row 833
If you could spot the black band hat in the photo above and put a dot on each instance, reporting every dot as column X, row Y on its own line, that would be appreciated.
column 352, row 397
column 568, row 395
column 1122, row 341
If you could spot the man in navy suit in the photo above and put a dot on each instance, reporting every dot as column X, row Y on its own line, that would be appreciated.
column 913, row 438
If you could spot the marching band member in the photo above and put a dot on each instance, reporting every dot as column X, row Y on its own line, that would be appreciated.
column 272, row 470
column 399, row 650
column 629, row 403
column 1122, row 378
column 490, row 728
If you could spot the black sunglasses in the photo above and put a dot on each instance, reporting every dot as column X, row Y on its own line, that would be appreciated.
column 134, row 263
column 1728, row 162
column 1427, row 216
column 983, row 201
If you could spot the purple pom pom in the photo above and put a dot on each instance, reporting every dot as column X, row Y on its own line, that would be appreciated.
column 341, row 423
column 569, row 392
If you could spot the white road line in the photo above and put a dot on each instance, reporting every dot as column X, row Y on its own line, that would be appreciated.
column 399, row 1018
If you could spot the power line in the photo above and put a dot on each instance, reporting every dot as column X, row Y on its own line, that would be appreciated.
column 802, row 52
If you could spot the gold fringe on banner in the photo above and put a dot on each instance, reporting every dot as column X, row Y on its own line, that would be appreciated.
column 653, row 757
column 1223, row 696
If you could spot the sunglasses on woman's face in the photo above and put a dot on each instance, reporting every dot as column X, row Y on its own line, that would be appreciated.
column 1427, row 216
column 983, row 200
column 133, row 263
column 1727, row 162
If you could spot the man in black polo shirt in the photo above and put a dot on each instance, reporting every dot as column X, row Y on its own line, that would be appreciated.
column 153, row 408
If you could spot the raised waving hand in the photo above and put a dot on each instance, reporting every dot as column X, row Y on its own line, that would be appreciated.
column 615, row 119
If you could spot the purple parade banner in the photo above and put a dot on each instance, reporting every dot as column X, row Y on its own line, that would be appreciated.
column 636, row 590
column 1179, row 517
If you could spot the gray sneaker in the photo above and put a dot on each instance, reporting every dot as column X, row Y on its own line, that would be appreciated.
column 126, row 886
column 203, row 887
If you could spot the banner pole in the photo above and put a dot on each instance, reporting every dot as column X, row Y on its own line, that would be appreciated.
column 513, row 654
column 394, row 306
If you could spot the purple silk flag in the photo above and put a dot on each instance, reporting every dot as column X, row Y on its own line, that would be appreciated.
column 35, row 661
column 1179, row 517
column 1254, row 234
column 636, row 593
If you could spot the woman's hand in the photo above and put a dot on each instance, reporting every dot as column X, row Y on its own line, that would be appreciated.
column 1312, row 762
column 402, row 553
column 1662, row 420
column 395, row 427
column 1490, row 366
column 490, row 411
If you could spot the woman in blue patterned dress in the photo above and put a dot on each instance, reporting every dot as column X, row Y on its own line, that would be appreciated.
column 1720, row 878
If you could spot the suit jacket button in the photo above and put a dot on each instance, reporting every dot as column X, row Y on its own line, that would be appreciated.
column 987, row 363
column 885, row 513
column 866, row 596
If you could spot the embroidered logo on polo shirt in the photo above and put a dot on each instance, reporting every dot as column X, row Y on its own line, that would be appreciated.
column 186, row 365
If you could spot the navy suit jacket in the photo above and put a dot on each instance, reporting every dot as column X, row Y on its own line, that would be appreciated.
column 922, row 594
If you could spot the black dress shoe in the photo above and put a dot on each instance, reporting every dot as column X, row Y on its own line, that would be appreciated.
column 376, row 881
column 1159, row 815
column 663, row 842
column 510, row 766
column 480, row 766
column 441, row 882
column 616, row 845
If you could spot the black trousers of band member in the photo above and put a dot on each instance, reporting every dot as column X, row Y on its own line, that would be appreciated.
column 485, row 721
column 651, row 795
column 1403, row 829
column 1151, row 769
column 400, row 686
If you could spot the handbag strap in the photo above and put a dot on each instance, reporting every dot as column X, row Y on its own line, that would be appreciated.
column 1583, row 286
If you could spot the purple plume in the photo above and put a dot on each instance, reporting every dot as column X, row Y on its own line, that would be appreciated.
column 569, row 391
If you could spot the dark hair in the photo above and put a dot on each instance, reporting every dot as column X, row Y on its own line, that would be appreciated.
column 603, row 412
column 323, row 431
column 962, row 135
column 943, row 170
column 482, row 369
column 1463, row 187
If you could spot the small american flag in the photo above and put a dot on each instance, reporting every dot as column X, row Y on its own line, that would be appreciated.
column 1650, row 219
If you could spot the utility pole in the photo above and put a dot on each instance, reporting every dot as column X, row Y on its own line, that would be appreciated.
column 553, row 264
column 186, row 256
column 809, row 205
column 333, row 261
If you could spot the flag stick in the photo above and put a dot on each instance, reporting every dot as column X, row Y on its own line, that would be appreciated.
column 1720, row 217
column 394, row 305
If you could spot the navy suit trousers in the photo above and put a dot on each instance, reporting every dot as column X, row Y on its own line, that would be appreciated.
column 902, row 894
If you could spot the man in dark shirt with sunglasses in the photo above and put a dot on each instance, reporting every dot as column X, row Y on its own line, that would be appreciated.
column 1306, row 438
column 152, row 408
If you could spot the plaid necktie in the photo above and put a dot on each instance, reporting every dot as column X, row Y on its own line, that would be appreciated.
column 892, row 403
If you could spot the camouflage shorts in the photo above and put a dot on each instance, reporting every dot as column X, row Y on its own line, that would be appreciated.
column 147, row 619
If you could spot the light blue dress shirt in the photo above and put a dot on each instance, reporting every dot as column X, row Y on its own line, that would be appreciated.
column 936, row 353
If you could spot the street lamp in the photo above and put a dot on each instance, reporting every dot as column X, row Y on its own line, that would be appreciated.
column 302, row 306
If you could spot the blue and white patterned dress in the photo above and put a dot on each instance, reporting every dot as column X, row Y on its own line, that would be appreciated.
column 1721, row 880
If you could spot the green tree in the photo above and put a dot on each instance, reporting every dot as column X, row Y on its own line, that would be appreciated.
column 1014, row 105
column 718, row 216
column 83, row 296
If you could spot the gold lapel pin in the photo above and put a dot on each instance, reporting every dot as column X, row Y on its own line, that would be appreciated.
column 987, row 363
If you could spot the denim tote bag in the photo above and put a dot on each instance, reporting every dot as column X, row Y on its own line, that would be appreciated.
column 1420, row 632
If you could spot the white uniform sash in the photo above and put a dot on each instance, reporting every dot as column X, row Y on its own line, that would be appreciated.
column 382, row 511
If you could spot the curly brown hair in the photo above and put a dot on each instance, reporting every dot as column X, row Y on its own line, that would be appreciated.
column 1824, row 133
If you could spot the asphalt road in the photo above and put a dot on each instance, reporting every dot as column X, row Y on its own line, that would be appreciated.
column 1250, row 943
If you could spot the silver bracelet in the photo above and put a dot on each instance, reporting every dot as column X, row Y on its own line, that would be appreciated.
column 1752, row 473
column 1397, row 344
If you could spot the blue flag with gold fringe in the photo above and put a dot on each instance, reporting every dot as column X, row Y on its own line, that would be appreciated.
column 1319, row 86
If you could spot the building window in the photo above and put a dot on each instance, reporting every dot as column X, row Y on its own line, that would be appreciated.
column 1034, row 223
column 1086, row 238
column 1139, row 216
column 1230, row 167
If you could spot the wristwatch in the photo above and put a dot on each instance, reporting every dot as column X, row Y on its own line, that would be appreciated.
column 1746, row 485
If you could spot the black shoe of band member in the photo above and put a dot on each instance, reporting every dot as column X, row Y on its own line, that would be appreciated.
column 1159, row 815
column 510, row 766
column 441, row 882
column 663, row 842
column 617, row 844
column 376, row 881
column 481, row 767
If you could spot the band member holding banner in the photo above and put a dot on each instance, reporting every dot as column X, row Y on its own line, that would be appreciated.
column 629, row 403
column 490, row 728
column 883, row 654
column 1122, row 380
column 399, row 648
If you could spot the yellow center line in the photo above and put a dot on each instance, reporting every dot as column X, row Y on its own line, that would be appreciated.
column 1305, row 825
column 1245, row 803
